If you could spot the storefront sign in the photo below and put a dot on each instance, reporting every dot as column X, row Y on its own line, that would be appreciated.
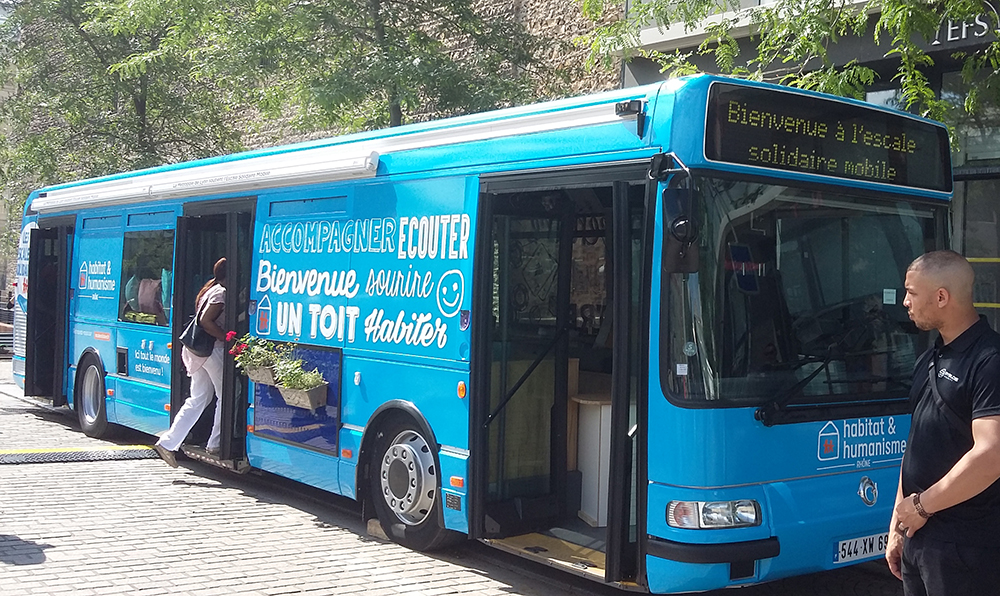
column 978, row 29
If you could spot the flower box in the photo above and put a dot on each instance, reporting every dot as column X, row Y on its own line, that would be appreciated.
column 261, row 374
column 311, row 399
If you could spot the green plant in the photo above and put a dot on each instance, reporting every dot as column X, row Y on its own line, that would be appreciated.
column 255, row 352
column 290, row 374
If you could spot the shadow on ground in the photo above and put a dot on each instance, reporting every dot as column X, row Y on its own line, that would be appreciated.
column 15, row 551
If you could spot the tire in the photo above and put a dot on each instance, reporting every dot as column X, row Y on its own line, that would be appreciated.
column 89, row 398
column 405, row 487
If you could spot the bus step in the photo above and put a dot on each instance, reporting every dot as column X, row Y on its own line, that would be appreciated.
column 240, row 466
column 554, row 552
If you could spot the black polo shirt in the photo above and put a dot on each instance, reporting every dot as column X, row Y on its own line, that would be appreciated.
column 968, row 380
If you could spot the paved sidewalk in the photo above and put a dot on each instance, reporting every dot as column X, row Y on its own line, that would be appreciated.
column 138, row 527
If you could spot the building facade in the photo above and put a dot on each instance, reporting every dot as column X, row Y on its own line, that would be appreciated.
column 976, row 209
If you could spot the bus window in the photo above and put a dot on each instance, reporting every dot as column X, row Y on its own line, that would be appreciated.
column 804, row 294
column 147, row 266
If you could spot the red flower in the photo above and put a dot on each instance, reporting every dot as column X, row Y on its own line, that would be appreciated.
column 238, row 349
column 231, row 336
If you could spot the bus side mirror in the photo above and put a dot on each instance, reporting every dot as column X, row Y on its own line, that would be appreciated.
column 680, row 231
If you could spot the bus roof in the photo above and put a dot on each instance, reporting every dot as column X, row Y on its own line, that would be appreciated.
column 379, row 152
column 355, row 154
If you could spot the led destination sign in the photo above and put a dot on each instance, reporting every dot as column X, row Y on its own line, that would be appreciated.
column 798, row 133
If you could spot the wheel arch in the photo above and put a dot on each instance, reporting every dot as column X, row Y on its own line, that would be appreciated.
column 395, row 407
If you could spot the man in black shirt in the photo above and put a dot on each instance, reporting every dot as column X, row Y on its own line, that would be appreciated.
column 944, row 537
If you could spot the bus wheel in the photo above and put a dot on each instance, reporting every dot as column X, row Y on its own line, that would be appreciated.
column 405, row 487
column 89, row 397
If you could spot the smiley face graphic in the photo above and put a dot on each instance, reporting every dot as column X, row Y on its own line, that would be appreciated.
column 450, row 292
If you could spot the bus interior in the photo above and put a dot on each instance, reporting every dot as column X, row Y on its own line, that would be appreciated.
column 559, row 374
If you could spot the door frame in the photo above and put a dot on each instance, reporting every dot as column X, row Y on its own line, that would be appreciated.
column 630, row 563
column 234, row 401
column 619, row 173
column 61, row 230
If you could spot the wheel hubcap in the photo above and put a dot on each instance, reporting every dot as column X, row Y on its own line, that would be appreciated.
column 91, row 394
column 408, row 478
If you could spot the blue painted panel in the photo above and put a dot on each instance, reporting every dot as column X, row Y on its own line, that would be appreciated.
column 272, row 417
column 309, row 206
column 147, row 352
column 809, row 517
column 672, row 577
column 139, row 405
column 455, row 465
column 348, row 474
column 432, row 389
column 394, row 277
column 100, row 337
column 714, row 452
column 302, row 271
column 97, row 223
column 303, row 465
column 415, row 298
column 350, row 441
column 163, row 219
column 70, row 386
column 96, row 275
column 110, row 385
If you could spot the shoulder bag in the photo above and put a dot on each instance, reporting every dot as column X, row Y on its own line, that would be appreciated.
column 195, row 338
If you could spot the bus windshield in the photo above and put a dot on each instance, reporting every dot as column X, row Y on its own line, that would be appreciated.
column 799, row 297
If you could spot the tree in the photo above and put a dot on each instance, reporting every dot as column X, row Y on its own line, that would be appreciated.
column 372, row 63
column 81, row 106
column 793, row 40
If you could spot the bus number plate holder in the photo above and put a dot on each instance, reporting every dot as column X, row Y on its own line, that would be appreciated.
column 857, row 549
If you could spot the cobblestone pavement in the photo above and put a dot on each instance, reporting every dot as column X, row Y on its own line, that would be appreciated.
column 138, row 527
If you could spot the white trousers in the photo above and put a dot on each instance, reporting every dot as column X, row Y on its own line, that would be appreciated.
column 205, row 382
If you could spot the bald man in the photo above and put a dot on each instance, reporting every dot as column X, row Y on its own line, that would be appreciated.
column 944, row 536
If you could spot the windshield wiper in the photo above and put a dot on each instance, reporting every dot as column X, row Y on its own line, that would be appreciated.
column 767, row 412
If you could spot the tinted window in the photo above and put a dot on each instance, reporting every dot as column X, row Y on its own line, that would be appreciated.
column 147, row 275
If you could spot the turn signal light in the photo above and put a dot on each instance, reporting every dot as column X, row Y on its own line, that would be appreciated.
column 461, row 389
column 457, row 481
column 166, row 407
column 110, row 392
column 346, row 453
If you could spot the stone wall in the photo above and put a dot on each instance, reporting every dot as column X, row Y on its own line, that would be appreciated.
column 556, row 23
column 559, row 22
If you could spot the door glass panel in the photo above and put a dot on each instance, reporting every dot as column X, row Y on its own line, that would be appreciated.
column 526, row 280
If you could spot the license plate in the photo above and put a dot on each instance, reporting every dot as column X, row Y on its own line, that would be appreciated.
column 860, row 548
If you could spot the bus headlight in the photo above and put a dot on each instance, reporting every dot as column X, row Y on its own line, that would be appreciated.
column 713, row 514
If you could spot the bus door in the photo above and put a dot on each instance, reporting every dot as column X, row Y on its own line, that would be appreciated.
column 556, row 457
column 207, row 232
column 48, row 281
column 528, row 368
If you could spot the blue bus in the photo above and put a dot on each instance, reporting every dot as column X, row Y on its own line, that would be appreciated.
column 654, row 337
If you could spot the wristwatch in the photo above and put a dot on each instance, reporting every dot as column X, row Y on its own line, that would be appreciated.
column 920, row 508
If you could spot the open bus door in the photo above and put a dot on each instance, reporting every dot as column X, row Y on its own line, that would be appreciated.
column 557, row 429
column 45, row 337
column 205, row 233
column 526, row 423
